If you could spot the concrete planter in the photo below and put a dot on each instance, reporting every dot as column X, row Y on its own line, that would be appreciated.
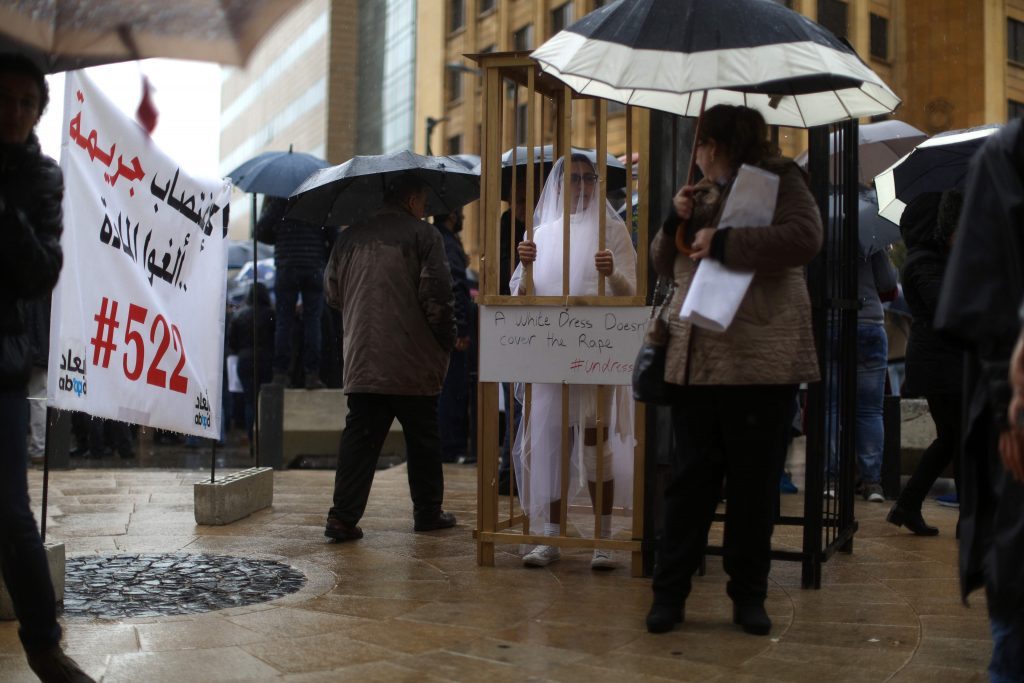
column 55, row 558
column 235, row 496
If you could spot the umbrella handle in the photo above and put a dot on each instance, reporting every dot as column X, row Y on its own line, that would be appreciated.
column 681, row 245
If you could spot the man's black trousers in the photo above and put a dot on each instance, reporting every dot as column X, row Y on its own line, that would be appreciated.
column 367, row 425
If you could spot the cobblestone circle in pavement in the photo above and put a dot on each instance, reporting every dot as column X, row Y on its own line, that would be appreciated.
column 156, row 585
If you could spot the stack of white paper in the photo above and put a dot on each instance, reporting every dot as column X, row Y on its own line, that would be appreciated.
column 716, row 291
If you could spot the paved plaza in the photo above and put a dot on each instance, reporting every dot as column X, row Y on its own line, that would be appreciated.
column 400, row 606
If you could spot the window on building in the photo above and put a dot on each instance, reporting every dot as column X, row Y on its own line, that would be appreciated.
column 615, row 107
column 832, row 15
column 456, row 14
column 1015, row 110
column 486, row 6
column 522, row 40
column 454, row 85
column 561, row 17
column 879, row 37
column 1015, row 40
column 489, row 48
column 785, row 3
column 600, row 3
column 454, row 145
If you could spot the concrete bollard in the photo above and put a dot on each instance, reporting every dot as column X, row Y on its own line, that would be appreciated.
column 233, row 497
column 55, row 559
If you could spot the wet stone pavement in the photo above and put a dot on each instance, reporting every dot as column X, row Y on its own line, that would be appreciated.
column 110, row 587
column 404, row 606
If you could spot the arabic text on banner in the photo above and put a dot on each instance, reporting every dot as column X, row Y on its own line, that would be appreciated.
column 137, row 329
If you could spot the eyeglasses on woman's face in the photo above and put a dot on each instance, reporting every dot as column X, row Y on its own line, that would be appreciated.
column 588, row 178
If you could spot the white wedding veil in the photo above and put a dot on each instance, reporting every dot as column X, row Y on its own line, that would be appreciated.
column 537, row 451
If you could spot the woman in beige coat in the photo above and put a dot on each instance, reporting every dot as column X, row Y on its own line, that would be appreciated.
column 734, row 389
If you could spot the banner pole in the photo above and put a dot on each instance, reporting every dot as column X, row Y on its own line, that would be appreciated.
column 255, row 338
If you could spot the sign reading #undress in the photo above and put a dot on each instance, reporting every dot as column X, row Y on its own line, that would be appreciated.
column 551, row 344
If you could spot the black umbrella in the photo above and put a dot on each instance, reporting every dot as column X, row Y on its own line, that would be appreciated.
column 667, row 54
column 341, row 195
column 682, row 56
column 276, row 173
column 514, row 159
column 937, row 164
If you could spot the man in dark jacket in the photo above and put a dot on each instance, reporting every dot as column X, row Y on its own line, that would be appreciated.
column 389, row 278
column 31, row 188
column 978, row 307
column 300, row 254
column 453, row 408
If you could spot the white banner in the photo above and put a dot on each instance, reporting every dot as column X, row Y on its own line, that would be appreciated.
column 550, row 344
column 137, row 330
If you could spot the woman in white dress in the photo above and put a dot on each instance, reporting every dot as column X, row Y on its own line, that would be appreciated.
column 538, row 448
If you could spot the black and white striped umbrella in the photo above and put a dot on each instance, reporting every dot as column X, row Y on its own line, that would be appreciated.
column 665, row 54
column 937, row 164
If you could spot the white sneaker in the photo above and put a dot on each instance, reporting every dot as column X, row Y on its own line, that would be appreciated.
column 602, row 559
column 873, row 493
column 542, row 556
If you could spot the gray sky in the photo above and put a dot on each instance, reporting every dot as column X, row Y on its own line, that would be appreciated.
column 187, row 96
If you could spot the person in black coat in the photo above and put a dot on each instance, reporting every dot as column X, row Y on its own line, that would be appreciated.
column 453, row 403
column 240, row 343
column 300, row 256
column 934, row 366
column 979, row 308
column 31, row 189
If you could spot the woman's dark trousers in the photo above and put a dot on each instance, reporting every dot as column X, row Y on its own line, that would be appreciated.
column 737, row 433
column 26, row 571
column 945, row 412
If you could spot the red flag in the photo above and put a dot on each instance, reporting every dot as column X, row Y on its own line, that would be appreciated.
column 147, row 114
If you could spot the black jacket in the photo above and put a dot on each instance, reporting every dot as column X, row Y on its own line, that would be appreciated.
column 31, row 190
column 388, row 277
column 457, row 262
column 297, row 244
column 240, row 333
column 934, row 363
column 978, row 307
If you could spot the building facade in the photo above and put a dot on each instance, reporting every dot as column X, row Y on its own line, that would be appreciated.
column 955, row 63
column 334, row 79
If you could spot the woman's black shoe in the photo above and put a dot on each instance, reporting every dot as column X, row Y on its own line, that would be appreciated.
column 663, row 618
column 752, row 618
column 912, row 519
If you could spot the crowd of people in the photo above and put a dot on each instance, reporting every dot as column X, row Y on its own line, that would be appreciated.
column 400, row 288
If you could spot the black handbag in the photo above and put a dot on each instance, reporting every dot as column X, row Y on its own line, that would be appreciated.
column 649, row 384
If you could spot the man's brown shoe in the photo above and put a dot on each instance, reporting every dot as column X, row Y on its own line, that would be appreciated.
column 341, row 532
column 443, row 520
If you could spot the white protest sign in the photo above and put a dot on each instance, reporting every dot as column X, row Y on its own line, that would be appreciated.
column 552, row 344
column 137, row 330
